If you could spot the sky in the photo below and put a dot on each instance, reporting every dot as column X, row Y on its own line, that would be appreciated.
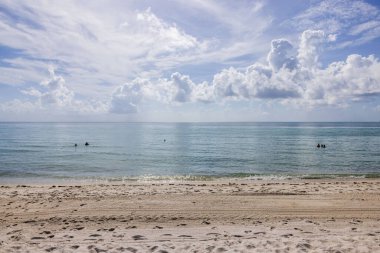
column 189, row 60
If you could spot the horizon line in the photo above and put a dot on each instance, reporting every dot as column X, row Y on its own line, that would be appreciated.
column 168, row 122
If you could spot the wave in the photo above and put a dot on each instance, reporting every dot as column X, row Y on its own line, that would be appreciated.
column 179, row 178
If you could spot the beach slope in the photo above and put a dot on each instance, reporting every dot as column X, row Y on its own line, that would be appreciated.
column 324, row 215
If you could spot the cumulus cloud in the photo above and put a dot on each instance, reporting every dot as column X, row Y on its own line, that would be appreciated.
column 126, row 97
column 177, row 89
column 54, row 93
column 278, row 55
column 184, row 87
column 297, row 79
column 354, row 79
column 303, row 81
column 229, row 83
column 57, row 91
column 309, row 48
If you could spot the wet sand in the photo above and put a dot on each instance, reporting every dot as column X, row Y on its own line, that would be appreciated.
column 324, row 215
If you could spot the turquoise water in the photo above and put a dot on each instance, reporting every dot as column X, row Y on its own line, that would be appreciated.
column 34, row 151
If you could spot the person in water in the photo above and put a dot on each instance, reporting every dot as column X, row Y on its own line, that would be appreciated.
column 318, row 146
column 86, row 144
column 75, row 145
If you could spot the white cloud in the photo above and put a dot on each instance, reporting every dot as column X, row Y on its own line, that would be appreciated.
column 57, row 92
column 278, row 55
column 357, row 78
column 204, row 93
column 352, row 22
column 96, row 43
column 54, row 93
column 184, row 87
column 333, row 16
column 96, row 47
column 92, row 42
column 308, row 51
column 363, row 27
column 18, row 106
column 126, row 97
column 229, row 83
column 178, row 89
column 299, row 80
column 162, row 36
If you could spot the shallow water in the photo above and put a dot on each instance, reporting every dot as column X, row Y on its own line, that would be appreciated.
column 43, row 151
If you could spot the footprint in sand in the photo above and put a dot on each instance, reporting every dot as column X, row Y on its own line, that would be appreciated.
column 303, row 246
column 287, row 235
column 100, row 250
column 210, row 248
column 95, row 235
column 138, row 237
column 250, row 246
column 185, row 236
column 130, row 249
column 37, row 238
column 14, row 231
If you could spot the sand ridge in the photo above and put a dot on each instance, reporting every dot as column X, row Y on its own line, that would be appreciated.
column 325, row 215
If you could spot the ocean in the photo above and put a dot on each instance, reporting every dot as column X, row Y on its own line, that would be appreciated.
column 38, row 152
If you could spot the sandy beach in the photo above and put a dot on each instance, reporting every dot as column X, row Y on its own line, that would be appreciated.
column 324, row 215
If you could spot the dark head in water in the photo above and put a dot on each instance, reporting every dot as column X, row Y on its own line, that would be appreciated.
column 318, row 146
column 86, row 144
column 75, row 145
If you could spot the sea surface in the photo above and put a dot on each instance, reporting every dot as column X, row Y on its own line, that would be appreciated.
column 33, row 152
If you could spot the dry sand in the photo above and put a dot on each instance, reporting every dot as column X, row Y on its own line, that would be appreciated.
column 218, row 216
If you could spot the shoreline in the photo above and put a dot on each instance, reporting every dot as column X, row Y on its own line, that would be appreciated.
column 246, row 177
column 303, row 215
